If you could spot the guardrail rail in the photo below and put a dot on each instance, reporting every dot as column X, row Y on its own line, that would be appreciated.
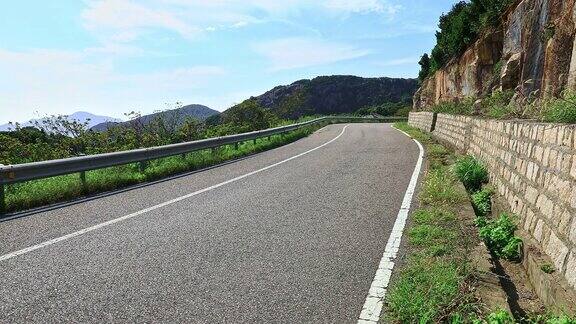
column 10, row 174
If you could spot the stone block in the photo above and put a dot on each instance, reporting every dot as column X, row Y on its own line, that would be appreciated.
column 556, row 250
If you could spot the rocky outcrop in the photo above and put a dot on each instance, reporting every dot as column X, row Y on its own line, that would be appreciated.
column 533, row 52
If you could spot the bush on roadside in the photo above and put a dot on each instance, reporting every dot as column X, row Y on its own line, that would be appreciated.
column 471, row 172
column 482, row 201
column 499, row 236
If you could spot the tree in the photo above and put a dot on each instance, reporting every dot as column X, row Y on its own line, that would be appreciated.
column 424, row 67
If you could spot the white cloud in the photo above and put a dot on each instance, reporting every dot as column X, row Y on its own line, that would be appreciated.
column 63, row 82
column 363, row 6
column 401, row 61
column 126, row 20
column 291, row 53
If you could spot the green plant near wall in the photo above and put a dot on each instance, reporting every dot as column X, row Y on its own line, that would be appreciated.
column 482, row 201
column 499, row 237
column 471, row 172
column 560, row 110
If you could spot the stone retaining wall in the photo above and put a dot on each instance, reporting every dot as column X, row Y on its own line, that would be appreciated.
column 533, row 167
column 422, row 120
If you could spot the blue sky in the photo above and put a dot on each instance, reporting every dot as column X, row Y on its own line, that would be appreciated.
column 112, row 56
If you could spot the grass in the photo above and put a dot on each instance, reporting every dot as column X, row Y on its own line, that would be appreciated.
column 464, row 107
column 423, row 286
column 42, row 192
column 435, row 285
column 432, row 285
column 471, row 172
column 439, row 188
column 560, row 110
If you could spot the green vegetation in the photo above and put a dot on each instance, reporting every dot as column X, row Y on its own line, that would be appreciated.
column 471, row 172
column 396, row 109
column 424, row 288
column 499, row 236
column 424, row 67
column 560, row 110
column 439, row 188
column 459, row 28
column 547, row 268
column 498, row 105
column 50, row 190
column 482, row 201
column 464, row 107
column 504, row 317
column 57, row 137
column 433, row 284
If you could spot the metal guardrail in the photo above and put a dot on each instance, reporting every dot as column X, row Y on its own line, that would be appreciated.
column 38, row 170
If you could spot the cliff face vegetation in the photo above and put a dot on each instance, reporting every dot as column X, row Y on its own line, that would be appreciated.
column 532, row 52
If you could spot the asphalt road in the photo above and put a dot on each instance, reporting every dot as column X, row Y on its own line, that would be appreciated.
column 297, row 242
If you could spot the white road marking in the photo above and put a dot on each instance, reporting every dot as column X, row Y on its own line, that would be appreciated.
column 164, row 204
column 375, row 300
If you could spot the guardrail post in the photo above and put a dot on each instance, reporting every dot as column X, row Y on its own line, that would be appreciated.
column 236, row 146
column 269, row 137
column 83, row 181
column 2, row 199
column 254, row 141
column 143, row 166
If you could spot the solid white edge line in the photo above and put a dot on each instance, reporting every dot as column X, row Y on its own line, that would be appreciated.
column 375, row 299
column 164, row 204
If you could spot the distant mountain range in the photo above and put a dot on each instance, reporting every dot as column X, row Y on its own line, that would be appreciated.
column 335, row 95
column 80, row 116
column 178, row 116
column 102, row 123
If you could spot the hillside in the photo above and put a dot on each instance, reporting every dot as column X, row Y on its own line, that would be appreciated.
column 177, row 116
column 335, row 95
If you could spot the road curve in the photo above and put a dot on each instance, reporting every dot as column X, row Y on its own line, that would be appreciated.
column 296, row 237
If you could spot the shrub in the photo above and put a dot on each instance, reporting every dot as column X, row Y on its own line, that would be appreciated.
column 464, row 107
column 561, row 110
column 482, row 201
column 547, row 268
column 471, row 172
column 500, row 317
column 499, row 237
column 498, row 105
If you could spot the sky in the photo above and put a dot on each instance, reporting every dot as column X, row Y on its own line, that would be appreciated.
column 110, row 57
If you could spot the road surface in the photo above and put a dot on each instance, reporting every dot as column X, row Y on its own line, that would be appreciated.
column 294, row 234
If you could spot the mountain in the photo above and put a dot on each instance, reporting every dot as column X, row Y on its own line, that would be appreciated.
column 80, row 116
column 177, row 116
column 335, row 95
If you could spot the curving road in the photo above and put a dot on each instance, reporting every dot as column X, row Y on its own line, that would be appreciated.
column 294, row 234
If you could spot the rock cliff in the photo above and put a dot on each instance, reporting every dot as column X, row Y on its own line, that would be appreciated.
column 533, row 52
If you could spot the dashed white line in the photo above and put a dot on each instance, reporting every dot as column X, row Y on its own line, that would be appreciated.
column 164, row 204
column 375, row 300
